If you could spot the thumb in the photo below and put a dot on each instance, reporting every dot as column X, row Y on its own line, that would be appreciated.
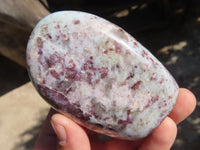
column 70, row 135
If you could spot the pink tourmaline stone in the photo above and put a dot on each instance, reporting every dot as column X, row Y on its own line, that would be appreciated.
column 94, row 72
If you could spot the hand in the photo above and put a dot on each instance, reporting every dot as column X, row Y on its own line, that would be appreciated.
column 71, row 136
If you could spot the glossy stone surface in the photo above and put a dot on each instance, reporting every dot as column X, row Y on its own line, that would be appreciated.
column 94, row 72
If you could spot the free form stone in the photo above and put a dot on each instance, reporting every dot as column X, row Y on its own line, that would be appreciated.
column 97, row 74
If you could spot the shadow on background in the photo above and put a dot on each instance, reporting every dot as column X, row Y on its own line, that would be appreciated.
column 12, row 75
column 28, row 138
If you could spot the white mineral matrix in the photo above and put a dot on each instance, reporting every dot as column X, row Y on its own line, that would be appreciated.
column 97, row 74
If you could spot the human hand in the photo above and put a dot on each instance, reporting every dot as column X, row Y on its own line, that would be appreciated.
column 67, row 135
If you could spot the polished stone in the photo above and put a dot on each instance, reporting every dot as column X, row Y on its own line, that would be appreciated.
column 96, row 73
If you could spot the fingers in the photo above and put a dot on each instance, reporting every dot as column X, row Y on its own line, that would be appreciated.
column 116, row 144
column 184, row 106
column 162, row 137
column 71, row 136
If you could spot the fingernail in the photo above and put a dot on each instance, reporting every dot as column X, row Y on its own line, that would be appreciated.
column 60, row 132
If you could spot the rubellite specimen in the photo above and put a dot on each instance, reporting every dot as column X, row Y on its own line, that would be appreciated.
column 94, row 72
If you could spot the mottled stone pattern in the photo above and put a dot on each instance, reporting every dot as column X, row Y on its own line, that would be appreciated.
column 96, row 73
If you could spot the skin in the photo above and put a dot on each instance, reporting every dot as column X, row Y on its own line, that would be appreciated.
column 59, row 132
